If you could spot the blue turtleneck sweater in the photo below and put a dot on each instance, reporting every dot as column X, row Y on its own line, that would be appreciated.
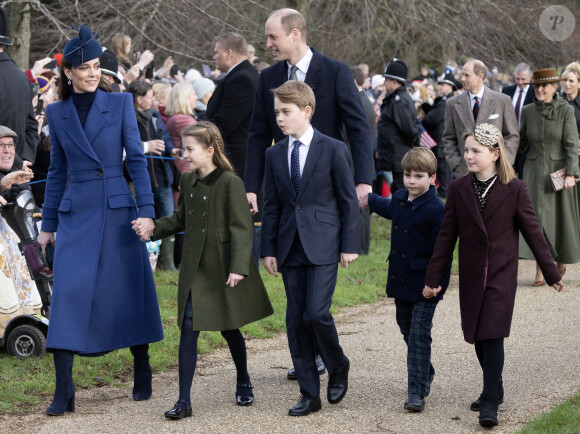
column 83, row 103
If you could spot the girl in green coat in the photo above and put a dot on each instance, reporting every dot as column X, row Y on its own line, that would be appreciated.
column 212, row 210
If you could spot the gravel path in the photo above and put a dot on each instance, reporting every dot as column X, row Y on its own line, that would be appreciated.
column 541, row 371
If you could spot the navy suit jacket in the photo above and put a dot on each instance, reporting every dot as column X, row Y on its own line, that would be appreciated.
column 510, row 90
column 337, row 103
column 413, row 234
column 324, row 213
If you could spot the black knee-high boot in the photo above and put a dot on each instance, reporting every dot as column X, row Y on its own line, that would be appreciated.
column 64, row 393
column 142, row 372
column 493, row 360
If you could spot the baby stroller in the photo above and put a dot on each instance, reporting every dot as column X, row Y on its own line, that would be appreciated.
column 23, row 318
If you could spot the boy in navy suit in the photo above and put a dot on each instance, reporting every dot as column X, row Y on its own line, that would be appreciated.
column 416, row 212
column 310, row 223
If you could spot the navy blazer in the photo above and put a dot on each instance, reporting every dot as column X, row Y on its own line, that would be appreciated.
column 510, row 90
column 413, row 234
column 325, row 211
column 337, row 103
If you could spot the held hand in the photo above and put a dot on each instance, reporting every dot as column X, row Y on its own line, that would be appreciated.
column 43, row 239
column 558, row 286
column 234, row 279
column 143, row 227
column 362, row 192
column 253, row 200
column 365, row 202
column 429, row 292
column 347, row 258
column 156, row 146
column 271, row 265
column 569, row 182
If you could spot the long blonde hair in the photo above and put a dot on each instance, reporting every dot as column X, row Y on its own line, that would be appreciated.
column 178, row 101
column 207, row 134
column 493, row 140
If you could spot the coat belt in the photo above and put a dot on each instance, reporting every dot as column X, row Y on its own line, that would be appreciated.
column 96, row 173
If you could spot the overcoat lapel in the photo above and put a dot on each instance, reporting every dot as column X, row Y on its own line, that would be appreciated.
column 470, row 203
column 97, row 117
column 465, row 112
column 498, row 195
column 314, row 70
column 74, row 129
column 488, row 104
column 281, row 165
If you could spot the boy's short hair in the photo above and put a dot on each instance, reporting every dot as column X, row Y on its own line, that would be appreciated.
column 420, row 159
column 296, row 92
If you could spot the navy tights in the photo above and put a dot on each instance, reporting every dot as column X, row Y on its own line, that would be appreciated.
column 490, row 353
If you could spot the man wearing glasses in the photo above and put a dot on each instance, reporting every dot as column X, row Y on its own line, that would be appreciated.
column 12, row 175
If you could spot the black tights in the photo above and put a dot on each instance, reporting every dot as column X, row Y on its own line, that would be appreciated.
column 490, row 354
column 188, row 357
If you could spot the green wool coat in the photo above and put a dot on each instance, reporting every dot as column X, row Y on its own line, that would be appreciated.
column 214, row 214
column 549, row 130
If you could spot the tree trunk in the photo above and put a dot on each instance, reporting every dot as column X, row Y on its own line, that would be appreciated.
column 19, row 31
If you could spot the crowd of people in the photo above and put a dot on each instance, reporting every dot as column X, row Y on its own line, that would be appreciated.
column 124, row 151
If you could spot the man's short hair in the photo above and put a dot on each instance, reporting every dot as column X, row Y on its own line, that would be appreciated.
column 420, row 159
column 358, row 74
column 139, row 88
column 297, row 93
column 523, row 67
column 291, row 19
column 235, row 42
column 478, row 67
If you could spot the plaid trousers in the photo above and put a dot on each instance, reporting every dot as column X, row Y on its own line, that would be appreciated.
column 415, row 320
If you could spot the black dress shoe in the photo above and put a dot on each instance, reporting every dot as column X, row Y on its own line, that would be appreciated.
column 179, row 411
column 338, row 383
column 414, row 403
column 475, row 404
column 319, row 365
column 305, row 406
column 244, row 394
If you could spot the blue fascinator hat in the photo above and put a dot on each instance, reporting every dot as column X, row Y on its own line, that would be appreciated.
column 82, row 48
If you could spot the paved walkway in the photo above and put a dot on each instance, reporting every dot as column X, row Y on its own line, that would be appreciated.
column 542, row 370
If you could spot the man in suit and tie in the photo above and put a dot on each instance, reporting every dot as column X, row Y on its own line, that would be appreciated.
column 477, row 104
column 230, row 106
column 337, row 98
column 521, row 94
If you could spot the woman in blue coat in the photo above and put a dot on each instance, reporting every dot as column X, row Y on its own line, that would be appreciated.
column 104, row 296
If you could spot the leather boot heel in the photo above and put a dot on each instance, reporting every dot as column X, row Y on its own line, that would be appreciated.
column 488, row 411
column 64, row 393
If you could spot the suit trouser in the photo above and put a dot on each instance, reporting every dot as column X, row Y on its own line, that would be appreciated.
column 309, row 291
column 415, row 320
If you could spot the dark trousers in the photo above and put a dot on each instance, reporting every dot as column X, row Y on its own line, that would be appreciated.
column 309, row 291
column 415, row 320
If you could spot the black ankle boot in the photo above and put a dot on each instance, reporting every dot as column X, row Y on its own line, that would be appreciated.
column 488, row 410
column 142, row 373
column 64, row 393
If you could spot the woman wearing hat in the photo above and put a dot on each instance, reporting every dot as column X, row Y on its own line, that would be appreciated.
column 548, row 130
column 104, row 296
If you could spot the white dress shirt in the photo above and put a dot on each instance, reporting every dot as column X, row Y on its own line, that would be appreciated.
column 305, row 139
column 302, row 65
column 478, row 95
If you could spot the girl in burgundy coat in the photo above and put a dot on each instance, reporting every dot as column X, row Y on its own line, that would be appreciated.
column 487, row 209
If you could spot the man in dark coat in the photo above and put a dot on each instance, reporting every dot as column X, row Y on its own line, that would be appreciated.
column 16, row 95
column 337, row 101
column 231, row 104
column 434, row 123
column 398, row 128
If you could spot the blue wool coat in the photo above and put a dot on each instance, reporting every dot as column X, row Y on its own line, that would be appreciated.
column 103, row 295
column 413, row 235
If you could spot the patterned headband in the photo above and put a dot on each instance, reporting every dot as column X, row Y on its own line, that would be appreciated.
column 487, row 135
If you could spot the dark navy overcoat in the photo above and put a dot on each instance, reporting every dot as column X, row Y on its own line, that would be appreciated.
column 104, row 296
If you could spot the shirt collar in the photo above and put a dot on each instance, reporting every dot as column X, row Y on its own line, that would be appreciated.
column 305, row 139
column 479, row 94
column 303, row 63
column 230, row 70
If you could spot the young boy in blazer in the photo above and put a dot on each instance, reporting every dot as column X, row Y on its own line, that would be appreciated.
column 310, row 223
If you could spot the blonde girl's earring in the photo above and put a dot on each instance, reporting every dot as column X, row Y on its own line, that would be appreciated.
column 69, row 82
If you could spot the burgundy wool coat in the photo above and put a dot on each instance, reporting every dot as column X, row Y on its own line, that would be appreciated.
column 488, row 253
